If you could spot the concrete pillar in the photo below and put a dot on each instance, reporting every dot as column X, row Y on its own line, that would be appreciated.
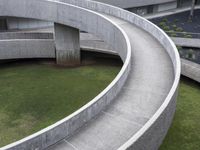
column 67, row 43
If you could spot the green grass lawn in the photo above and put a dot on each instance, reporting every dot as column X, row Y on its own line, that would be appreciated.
column 184, row 133
column 36, row 95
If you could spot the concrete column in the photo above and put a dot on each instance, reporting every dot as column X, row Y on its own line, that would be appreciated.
column 67, row 43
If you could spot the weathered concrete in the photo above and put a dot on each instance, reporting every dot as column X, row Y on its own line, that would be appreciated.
column 85, row 20
column 26, row 23
column 88, row 42
column 145, row 106
column 14, row 23
column 25, row 35
column 132, row 109
column 166, row 6
column 167, row 108
column 32, row 48
column 134, row 3
column 169, row 12
column 67, row 43
column 190, row 70
column 187, row 42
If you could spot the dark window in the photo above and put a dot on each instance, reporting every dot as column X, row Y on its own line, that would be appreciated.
column 150, row 9
column 3, row 24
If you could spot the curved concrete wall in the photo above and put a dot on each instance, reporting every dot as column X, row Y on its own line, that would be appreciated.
column 134, row 3
column 156, row 128
column 136, row 6
column 14, row 43
column 158, row 125
column 85, row 20
column 158, row 5
column 88, row 43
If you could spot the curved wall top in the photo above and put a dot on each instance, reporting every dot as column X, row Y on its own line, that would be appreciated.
column 133, row 3
column 82, row 19
column 165, row 41
column 87, row 20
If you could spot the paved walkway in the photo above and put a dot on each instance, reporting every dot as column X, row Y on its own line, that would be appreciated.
column 149, row 82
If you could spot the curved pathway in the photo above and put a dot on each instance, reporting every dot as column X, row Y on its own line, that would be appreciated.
column 148, row 84
column 141, row 113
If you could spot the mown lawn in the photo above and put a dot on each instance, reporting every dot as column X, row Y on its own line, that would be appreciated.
column 184, row 133
column 35, row 95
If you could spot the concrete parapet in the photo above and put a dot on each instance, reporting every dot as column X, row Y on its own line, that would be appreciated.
column 89, row 20
column 190, row 70
column 85, row 20
column 67, row 41
column 160, row 122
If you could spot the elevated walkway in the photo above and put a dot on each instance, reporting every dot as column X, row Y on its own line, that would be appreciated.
column 136, row 109
column 148, row 84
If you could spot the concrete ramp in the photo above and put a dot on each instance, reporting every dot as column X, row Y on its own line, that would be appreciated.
column 135, row 111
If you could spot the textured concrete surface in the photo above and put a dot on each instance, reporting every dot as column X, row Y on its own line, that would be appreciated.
column 88, row 41
column 190, row 70
column 85, row 20
column 25, row 23
column 169, row 12
column 160, row 122
column 188, row 42
column 134, row 3
column 25, row 35
column 67, row 41
column 33, row 48
column 139, row 99
column 145, row 106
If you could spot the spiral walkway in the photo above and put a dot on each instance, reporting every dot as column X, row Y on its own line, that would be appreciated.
column 139, row 104
column 148, row 84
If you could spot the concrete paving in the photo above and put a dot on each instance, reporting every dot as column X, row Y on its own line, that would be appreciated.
column 148, row 84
